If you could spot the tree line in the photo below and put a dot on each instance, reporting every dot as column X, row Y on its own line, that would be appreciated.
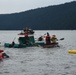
column 57, row 17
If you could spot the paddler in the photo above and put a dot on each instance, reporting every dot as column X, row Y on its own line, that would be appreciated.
column 47, row 38
column 40, row 38
column 3, row 54
column 26, row 39
column 54, row 39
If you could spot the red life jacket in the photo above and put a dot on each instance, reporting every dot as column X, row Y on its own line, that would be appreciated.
column 26, row 34
column 47, row 37
column 1, row 51
column 1, row 56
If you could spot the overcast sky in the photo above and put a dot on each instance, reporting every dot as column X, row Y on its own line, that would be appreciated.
column 12, row 6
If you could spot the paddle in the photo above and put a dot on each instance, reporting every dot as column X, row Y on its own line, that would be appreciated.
column 14, row 38
column 62, row 39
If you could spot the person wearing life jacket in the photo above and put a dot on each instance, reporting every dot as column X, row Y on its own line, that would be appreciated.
column 13, row 43
column 3, row 54
column 26, row 34
column 54, row 39
column 1, row 57
column 48, row 39
column 25, row 30
column 26, row 39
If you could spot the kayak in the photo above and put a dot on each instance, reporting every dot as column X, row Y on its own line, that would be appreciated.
column 50, row 45
column 8, row 45
column 39, row 43
column 15, row 45
column 19, row 46
column 72, row 51
column 23, row 44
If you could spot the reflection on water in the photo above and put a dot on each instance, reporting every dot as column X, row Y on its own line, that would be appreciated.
column 38, row 60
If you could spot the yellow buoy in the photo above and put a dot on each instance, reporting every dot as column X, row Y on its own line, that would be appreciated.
column 72, row 51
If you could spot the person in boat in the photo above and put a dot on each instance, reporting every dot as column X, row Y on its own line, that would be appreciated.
column 54, row 39
column 26, row 29
column 13, row 43
column 31, row 31
column 48, row 39
column 26, row 39
column 40, row 38
column 3, row 54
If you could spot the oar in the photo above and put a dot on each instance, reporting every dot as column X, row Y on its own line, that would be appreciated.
column 14, row 38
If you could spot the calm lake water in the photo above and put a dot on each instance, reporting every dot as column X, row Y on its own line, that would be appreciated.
column 38, row 60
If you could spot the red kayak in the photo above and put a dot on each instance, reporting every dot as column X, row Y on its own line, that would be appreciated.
column 52, row 45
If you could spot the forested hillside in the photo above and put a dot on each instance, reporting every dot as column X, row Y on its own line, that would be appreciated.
column 57, row 17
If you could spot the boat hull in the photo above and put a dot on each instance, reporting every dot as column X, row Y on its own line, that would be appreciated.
column 15, row 45
column 8, row 45
column 50, row 45
column 20, row 45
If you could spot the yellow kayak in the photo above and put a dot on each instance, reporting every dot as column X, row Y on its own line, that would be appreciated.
column 72, row 51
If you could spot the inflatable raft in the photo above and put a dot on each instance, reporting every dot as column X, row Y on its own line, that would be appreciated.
column 72, row 51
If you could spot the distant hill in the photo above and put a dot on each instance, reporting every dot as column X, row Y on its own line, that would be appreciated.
column 57, row 17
